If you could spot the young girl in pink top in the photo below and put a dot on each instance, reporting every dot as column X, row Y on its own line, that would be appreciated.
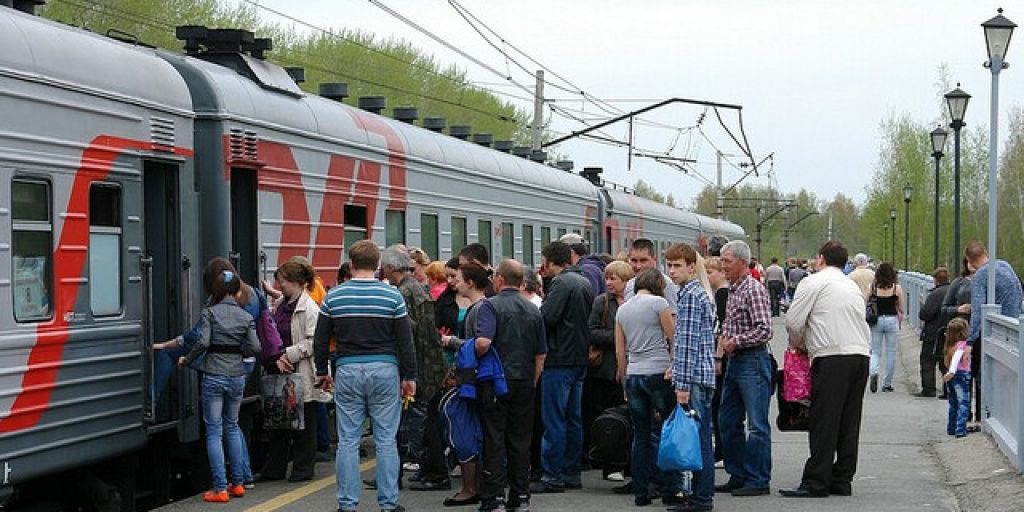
column 958, row 378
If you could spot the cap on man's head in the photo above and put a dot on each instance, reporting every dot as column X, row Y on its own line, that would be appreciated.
column 572, row 239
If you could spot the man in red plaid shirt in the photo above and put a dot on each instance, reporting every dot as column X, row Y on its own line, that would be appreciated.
column 747, row 385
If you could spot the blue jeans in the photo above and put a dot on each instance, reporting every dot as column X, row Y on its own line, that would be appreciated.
column 704, row 480
column 645, row 395
column 958, row 394
column 746, row 393
column 885, row 331
column 363, row 389
column 221, row 400
column 561, row 410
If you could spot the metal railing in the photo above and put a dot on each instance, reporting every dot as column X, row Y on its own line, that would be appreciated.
column 1002, row 368
column 915, row 289
column 1002, row 381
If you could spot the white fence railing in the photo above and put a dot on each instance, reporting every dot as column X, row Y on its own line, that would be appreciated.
column 1002, row 368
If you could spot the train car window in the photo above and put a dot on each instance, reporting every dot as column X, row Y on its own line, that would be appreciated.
column 545, row 236
column 394, row 227
column 105, row 249
column 356, row 227
column 528, row 245
column 32, row 249
column 561, row 231
column 428, row 233
column 508, row 240
column 458, row 235
column 483, row 235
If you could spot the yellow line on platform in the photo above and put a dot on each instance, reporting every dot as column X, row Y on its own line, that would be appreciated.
column 305, row 490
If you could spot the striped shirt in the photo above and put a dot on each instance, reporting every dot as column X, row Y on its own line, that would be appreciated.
column 748, row 314
column 369, row 320
column 694, row 351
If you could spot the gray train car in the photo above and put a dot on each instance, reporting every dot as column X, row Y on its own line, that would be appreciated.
column 309, row 176
column 95, row 191
column 628, row 217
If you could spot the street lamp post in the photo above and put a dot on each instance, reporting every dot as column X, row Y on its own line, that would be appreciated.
column 938, row 136
column 997, row 38
column 956, row 100
column 892, row 220
column 885, row 238
column 908, row 191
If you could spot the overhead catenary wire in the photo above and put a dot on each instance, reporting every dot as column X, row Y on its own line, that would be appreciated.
column 448, row 45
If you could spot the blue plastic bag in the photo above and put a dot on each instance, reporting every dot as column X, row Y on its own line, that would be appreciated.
column 680, row 442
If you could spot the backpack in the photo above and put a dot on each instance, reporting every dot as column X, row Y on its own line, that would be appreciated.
column 611, row 437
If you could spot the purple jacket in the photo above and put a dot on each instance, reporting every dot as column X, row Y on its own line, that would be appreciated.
column 593, row 269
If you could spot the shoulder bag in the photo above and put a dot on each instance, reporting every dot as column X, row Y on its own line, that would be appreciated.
column 871, row 310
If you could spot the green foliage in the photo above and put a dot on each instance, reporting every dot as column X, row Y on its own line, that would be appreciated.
column 370, row 66
column 806, row 233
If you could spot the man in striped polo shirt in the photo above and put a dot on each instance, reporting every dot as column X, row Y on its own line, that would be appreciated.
column 376, row 361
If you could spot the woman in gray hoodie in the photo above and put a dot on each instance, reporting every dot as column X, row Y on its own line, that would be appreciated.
column 227, row 335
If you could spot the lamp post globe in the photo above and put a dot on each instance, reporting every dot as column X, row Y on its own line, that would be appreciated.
column 998, row 32
column 938, row 138
column 956, row 101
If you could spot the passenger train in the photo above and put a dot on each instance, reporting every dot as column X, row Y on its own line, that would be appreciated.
column 124, row 168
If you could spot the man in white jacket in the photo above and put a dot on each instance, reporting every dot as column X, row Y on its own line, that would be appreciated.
column 826, row 319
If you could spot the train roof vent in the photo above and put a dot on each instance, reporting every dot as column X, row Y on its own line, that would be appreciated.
column 521, row 151
column 243, row 145
column 298, row 74
column 538, row 155
column 375, row 104
column 334, row 91
column 483, row 139
column 161, row 133
column 405, row 114
column 241, row 51
column 460, row 131
column 592, row 174
column 435, row 124
column 565, row 165
column 504, row 145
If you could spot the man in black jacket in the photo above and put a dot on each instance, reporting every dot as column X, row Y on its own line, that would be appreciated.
column 931, row 315
column 566, row 309
column 514, row 327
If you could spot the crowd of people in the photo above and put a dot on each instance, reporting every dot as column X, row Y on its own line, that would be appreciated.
column 497, row 373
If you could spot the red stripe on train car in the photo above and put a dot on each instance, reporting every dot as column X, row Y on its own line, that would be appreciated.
column 331, row 233
column 281, row 174
column 398, row 191
column 43, row 361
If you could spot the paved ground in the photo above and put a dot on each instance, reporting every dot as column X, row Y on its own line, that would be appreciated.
column 907, row 463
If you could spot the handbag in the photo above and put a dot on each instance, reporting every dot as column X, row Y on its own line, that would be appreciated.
column 679, row 449
column 793, row 416
column 796, row 376
column 284, row 395
column 871, row 310
column 595, row 356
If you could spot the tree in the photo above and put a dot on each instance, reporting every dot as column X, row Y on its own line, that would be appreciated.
column 646, row 191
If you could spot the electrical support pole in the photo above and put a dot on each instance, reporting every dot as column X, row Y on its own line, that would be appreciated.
column 538, row 111
column 719, row 197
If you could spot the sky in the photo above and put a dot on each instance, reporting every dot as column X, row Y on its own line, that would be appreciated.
column 815, row 79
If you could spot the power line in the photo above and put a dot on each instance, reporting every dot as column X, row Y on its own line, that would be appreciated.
column 446, row 44
column 356, row 42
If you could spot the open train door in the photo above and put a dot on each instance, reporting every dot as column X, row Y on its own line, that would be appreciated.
column 166, row 274
column 245, row 252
